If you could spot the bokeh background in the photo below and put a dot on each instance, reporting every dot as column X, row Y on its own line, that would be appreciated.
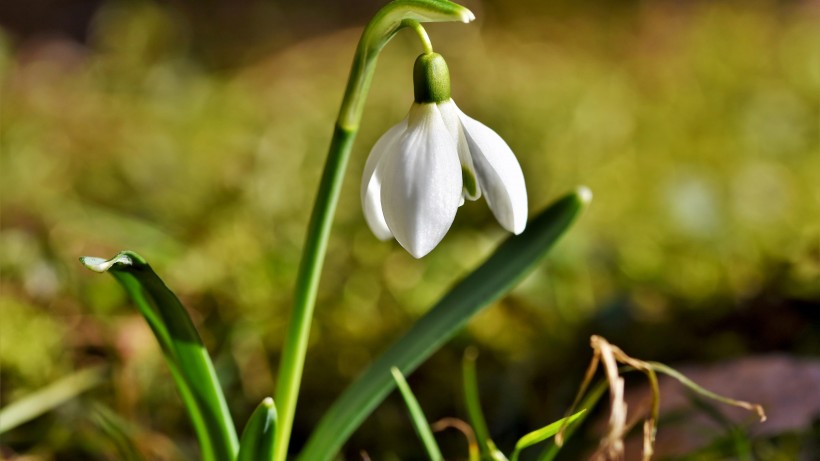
column 194, row 134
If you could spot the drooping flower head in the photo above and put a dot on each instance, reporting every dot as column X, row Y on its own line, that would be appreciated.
column 424, row 168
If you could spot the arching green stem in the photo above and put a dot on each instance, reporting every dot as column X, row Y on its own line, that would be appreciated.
column 384, row 25
column 422, row 34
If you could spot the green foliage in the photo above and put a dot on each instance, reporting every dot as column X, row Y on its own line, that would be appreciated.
column 43, row 400
column 185, row 354
column 498, row 274
column 586, row 405
column 118, row 431
column 539, row 435
column 420, row 423
column 486, row 445
column 472, row 402
column 257, row 441
column 391, row 18
column 696, row 125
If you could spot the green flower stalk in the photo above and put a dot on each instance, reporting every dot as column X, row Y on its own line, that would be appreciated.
column 384, row 25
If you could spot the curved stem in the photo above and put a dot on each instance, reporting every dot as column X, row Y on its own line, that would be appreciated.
column 384, row 25
column 422, row 34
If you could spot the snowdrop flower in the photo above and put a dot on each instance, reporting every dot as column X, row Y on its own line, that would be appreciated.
column 422, row 170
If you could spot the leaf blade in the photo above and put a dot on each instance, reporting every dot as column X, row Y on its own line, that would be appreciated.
column 186, row 356
column 510, row 262
column 49, row 397
column 257, row 441
column 587, row 404
column 420, row 423
column 539, row 435
column 473, row 404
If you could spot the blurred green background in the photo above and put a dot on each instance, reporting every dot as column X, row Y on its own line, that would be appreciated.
column 194, row 134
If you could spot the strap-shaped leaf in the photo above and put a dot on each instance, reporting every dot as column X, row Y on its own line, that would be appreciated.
column 46, row 399
column 586, row 405
column 420, row 423
column 119, row 431
column 185, row 354
column 509, row 264
column 473, row 405
column 539, row 435
column 257, row 440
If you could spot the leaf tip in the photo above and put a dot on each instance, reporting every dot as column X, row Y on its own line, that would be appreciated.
column 267, row 403
column 126, row 258
column 761, row 413
column 103, row 265
column 466, row 15
column 584, row 194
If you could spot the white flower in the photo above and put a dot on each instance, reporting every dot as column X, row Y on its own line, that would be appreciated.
column 421, row 170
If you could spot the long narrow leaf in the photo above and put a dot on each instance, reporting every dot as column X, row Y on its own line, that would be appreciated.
column 417, row 416
column 661, row 368
column 119, row 431
column 473, row 404
column 539, row 435
column 185, row 354
column 509, row 264
column 257, row 440
column 49, row 397
column 586, row 405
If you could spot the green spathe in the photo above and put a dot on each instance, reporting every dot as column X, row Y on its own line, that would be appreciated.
column 431, row 79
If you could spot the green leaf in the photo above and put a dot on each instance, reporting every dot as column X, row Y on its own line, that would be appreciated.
column 473, row 404
column 544, row 433
column 186, row 356
column 46, row 399
column 509, row 264
column 587, row 404
column 258, row 437
column 119, row 431
column 417, row 416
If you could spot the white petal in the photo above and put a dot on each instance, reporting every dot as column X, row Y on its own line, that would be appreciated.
column 371, row 183
column 421, row 182
column 499, row 174
column 450, row 113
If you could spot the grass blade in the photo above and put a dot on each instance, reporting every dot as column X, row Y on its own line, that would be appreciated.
column 49, row 397
column 586, row 406
column 509, row 264
column 544, row 433
column 417, row 416
column 473, row 404
column 661, row 368
column 119, row 432
column 187, row 358
column 257, row 440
